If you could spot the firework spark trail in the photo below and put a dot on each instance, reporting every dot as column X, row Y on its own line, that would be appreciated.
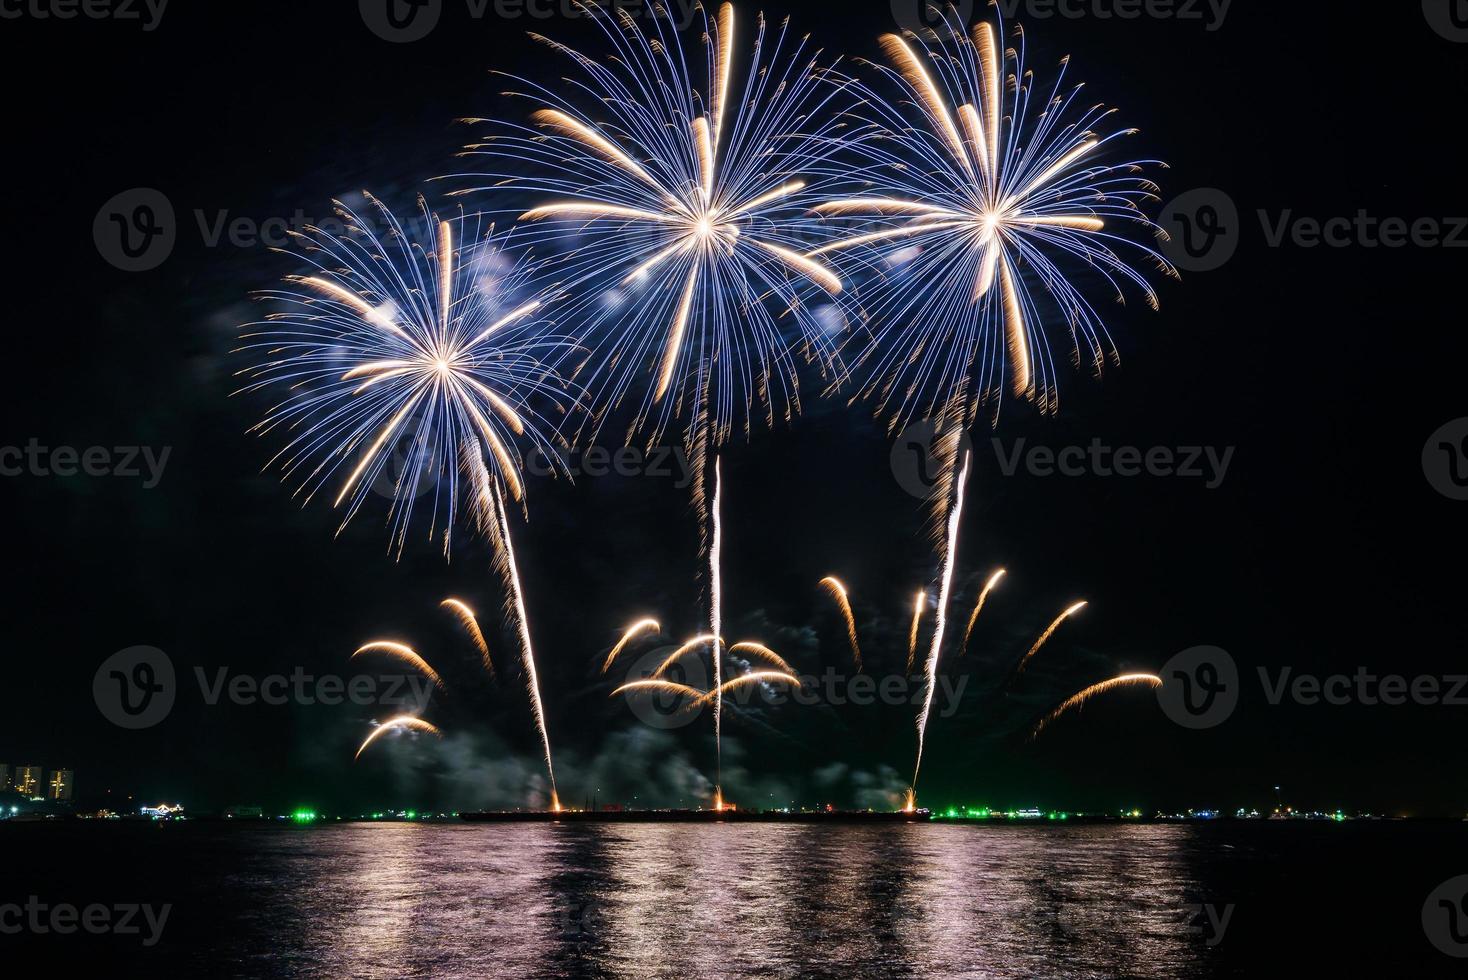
column 1049, row 631
column 1076, row 701
column 967, row 218
column 919, row 603
column 402, row 652
column 761, row 652
column 697, row 697
column 401, row 721
column 838, row 592
column 632, row 632
column 715, row 627
column 931, row 673
column 744, row 680
column 425, row 345
column 978, row 608
column 471, row 625
column 506, row 558
column 705, row 639
column 655, row 684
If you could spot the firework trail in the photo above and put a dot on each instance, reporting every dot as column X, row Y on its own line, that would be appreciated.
column 678, row 223
column 918, row 604
column 471, row 626
column 632, row 632
column 428, row 347
column 406, row 654
column 1078, row 700
column 838, row 592
column 931, row 673
column 1049, row 631
column 715, row 627
column 979, row 607
column 401, row 721
column 969, row 215
column 505, row 557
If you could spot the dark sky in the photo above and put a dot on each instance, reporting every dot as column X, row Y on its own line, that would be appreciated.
column 1325, row 549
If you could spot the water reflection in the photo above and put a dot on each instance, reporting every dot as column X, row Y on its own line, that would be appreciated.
column 729, row 901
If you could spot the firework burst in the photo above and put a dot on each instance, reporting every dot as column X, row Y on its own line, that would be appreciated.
column 424, row 352
column 679, row 216
column 984, row 195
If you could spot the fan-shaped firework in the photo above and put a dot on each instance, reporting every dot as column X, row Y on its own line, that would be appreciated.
column 680, row 216
column 492, row 510
column 425, row 346
column 782, row 673
column 985, row 195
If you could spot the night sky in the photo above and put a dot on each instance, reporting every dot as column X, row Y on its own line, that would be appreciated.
column 1325, row 549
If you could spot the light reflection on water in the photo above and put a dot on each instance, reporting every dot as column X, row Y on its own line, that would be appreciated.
column 723, row 900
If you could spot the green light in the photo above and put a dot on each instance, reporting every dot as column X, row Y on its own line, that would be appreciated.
column 304, row 816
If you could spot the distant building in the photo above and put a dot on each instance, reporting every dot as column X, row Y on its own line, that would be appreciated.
column 28, row 781
column 4, row 777
column 163, row 811
column 244, row 813
column 59, row 786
